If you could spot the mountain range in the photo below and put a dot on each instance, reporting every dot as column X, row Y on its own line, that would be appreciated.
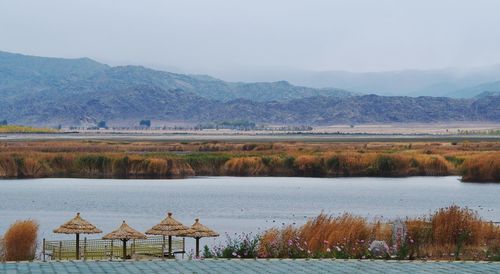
column 55, row 91
column 451, row 82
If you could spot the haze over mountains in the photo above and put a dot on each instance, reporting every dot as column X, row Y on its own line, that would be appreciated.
column 52, row 91
column 455, row 83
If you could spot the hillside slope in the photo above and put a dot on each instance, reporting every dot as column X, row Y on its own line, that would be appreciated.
column 46, row 92
column 22, row 76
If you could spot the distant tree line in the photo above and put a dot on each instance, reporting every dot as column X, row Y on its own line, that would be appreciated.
column 238, row 125
column 234, row 125
column 145, row 123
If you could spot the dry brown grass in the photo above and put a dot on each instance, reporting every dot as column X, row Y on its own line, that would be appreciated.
column 482, row 168
column 449, row 233
column 20, row 241
column 348, row 232
column 381, row 231
column 476, row 161
column 453, row 225
column 245, row 166
column 310, row 165
column 419, row 237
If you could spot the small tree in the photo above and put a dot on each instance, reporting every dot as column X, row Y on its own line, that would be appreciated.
column 145, row 123
column 102, row 124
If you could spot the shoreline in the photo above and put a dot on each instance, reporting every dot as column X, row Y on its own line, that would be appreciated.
column 474, row 161
column 243, row 137
column 235, row 176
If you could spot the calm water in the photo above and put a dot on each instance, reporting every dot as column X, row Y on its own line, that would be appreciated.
column 230, row 204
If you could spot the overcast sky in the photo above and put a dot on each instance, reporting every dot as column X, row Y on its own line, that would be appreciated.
column 209, row 35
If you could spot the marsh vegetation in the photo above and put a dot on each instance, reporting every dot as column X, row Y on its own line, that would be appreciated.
column 478, row 161
column 451, row 233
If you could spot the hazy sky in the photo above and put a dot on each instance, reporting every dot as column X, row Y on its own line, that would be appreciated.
column 205, row 35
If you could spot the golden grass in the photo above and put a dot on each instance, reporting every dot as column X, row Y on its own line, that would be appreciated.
column 482, row 168
column 19, row 242
column 347, row 232
column 24, row 129
column 245, row 166
column 106, row 159
column 454, row 224
column 449, row 233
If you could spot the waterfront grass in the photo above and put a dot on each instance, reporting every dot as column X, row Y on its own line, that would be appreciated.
column 105, row 159
column 451, row 233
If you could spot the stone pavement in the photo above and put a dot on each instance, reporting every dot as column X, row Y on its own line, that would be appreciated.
column 249, row 266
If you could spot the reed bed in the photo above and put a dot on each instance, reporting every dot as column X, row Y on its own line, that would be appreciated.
column 99, row 159
column 450, row 233
column 484, row 168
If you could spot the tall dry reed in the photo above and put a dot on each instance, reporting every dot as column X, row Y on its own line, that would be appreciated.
column 20, row 241
column 482, row 168
column 450, row 233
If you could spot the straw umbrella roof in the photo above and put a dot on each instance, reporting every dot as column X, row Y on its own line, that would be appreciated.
column 77, row 225
column 200, row 231
column 124, row 232
column 169, row 227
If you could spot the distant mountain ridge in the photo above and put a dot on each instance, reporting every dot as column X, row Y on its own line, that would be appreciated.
column 486, row 89
column 27, row 73
column 23, row 75
column 412, row 82
column 51, row 91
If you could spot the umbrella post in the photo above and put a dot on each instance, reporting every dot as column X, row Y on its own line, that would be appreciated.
column 169, row 246
column 85, row 248
column 197, row 247
column 112, row 247
column 78, row 246
column 124, row 249
column 43, row 249
column 163, row 248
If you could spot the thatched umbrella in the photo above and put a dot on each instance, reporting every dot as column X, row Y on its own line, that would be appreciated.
column 199, row 231
column 77, row 226
column 169, row 227
column 124, row 233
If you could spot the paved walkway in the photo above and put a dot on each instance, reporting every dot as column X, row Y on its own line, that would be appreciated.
column 249, row 266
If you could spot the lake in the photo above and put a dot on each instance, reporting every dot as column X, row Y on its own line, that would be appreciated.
column 234, row 204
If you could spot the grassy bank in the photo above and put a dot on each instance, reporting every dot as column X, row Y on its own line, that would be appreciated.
column 451, row 233
column 102, row 159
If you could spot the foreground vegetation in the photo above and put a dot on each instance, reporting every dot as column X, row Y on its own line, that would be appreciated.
column 451, row 233
column 476, row 162
column 19, row 242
